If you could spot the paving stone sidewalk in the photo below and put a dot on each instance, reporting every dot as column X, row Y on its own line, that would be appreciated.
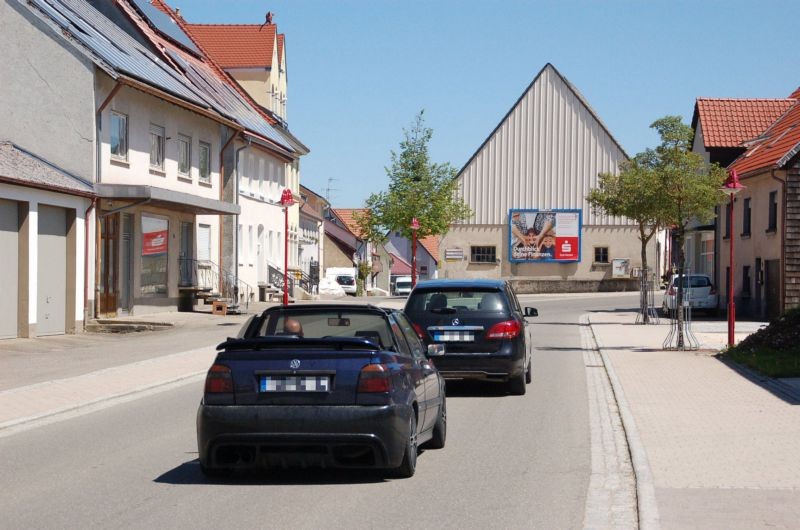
column 722, row 448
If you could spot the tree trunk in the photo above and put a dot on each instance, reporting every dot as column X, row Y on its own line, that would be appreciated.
column 644, row 309
column 681, row 235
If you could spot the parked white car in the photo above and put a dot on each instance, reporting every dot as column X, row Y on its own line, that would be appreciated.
column 402, row 286
column 698, row 292
column 344, row 276
column 328, row 288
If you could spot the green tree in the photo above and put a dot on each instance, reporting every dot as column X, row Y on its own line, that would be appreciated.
column 633, row 193
column 418, row 188
column 668, row 186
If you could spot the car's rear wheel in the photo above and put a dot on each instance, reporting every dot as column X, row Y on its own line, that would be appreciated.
column 409, row 464
column 439, row 428
column 516, row 385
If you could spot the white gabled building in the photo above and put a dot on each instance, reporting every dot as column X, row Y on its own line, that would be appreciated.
column 545, row 154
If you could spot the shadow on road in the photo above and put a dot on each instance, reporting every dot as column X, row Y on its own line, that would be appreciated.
column 189, row 473
column 458, row 388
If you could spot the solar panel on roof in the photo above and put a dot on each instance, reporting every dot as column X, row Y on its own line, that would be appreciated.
column 165, row 24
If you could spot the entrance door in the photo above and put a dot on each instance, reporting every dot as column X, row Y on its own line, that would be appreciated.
column 107, row 274
column 126, row 264
column 9, row 267
column 51, row 278
column 772, row 280
column 185, row 258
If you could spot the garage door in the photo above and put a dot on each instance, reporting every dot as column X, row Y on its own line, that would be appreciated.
column 51, row 299
column 9, row 267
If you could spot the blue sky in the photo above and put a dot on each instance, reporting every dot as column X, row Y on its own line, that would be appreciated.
column 359, row 70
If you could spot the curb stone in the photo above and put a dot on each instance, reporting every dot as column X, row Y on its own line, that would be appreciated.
column 645, row 486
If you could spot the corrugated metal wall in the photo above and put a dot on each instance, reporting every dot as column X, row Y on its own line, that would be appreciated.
column 547, row 153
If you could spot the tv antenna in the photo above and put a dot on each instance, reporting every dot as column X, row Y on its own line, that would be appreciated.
column 328, row 189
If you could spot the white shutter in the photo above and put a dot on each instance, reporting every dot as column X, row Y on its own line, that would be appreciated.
column 204, row 242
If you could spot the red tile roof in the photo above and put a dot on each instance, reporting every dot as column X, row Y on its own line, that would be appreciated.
column 281, row 43
column 775, row 146
column 237, row 45
column 731, row 122
column 345, row 215
column 431, row 244
column 400, row 267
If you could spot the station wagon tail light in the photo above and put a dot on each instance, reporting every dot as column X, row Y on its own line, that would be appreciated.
column 713, row 290
column 219, row 380
column 420, row 331
column 504, row 330
column 374, row 378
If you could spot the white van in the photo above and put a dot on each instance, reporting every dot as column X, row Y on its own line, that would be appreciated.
column 402, row 286
column 344, row 276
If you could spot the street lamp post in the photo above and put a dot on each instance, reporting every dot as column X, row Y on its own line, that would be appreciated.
column 414, row 228
column 287, row 199
column 731, row 187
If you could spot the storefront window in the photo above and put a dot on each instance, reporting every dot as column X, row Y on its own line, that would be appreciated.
column 155, row 242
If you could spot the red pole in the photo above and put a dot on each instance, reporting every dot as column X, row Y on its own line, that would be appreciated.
column 286, row 257
column 413, row 258
column 731, row 303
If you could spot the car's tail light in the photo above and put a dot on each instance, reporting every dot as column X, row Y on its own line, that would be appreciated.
column 420, row 331
column 219, row 380
column 504, row 330
column 713, row 290
column 374, row 378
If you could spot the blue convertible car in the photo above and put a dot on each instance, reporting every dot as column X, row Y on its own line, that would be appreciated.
column 322, row 385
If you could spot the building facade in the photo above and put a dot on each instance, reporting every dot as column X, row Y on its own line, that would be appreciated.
column 543, row 158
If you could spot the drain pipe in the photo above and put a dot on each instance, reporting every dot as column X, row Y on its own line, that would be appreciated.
column 236, row 197
column 783, row 238
column 86, row 261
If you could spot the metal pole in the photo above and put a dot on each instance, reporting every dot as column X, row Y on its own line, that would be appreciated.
column 286, row 257
column 731, row 303
column 413, row 258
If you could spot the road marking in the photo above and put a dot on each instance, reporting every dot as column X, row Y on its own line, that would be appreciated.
column 611, row 496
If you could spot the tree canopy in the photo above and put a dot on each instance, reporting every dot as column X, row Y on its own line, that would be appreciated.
column 417, row 188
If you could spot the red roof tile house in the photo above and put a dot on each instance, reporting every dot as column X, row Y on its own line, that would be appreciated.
column 760, row 139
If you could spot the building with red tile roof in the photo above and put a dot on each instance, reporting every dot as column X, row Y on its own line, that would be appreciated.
column 760, row 140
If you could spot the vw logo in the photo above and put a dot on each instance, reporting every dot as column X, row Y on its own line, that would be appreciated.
column 295, row 364
column 456, row 322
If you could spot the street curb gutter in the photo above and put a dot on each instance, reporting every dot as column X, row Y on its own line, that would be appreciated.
column 645, row 486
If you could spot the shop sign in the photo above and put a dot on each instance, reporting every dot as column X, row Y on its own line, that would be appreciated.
column 154, row 242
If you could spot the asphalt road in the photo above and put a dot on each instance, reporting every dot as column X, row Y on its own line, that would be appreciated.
column 510, row 462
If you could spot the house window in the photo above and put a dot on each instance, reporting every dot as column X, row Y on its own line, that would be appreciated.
column 727, row 221
column 746, row 280
column 205, row 162
column 601, row 254
column 239, row 244
column 155, row 242
column 250, row 252
column 746, row 217
column 157, row 147
column 483, row 254
column 119, row 136
column 184, row 154
column 707, row 255
column 772, row 226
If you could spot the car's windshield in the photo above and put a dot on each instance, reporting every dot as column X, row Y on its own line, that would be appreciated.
column 456, row 301
column 320, row 323
column 693, row 281
column 345, row 280
column 404, row 285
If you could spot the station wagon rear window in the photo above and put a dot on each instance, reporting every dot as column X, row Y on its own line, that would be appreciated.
column 457, row 301
column 693, row 281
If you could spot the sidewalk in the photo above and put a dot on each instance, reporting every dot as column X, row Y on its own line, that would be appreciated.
column 721, row 448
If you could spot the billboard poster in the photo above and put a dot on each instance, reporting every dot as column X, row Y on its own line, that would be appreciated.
column 543, row 236
column 154, row 242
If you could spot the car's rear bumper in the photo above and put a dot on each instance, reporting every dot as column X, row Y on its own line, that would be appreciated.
column 247, row 436
column 480, row 366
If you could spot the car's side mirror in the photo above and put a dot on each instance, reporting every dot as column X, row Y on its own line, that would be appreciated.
column 531, row 312
column 435, row 350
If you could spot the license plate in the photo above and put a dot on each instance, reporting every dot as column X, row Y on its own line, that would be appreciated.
column 294, row 383
column 454, row 336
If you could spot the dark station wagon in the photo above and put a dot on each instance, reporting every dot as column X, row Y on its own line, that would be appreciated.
column 481, row 327
column 321, row 385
